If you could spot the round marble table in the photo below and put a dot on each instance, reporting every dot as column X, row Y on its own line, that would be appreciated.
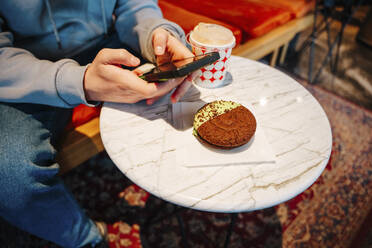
column 295, row 125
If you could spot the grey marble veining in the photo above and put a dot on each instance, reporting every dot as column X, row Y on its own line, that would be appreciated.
column 295, row 125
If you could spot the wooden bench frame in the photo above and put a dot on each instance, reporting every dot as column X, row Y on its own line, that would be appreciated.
column 83, row 142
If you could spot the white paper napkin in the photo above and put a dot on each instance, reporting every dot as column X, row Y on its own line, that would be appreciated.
column 191, row 153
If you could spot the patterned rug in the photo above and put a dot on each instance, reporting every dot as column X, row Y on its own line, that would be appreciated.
column 328, row 214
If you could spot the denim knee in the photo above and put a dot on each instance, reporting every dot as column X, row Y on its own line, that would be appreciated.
column 27, row 156
column 26, row 168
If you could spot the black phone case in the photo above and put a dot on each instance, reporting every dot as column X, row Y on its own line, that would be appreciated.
column 183, row 70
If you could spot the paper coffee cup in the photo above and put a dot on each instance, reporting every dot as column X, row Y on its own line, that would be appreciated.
column 206, row 38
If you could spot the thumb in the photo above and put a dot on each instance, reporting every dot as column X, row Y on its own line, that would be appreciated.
column 159, row 41
column 117, row 56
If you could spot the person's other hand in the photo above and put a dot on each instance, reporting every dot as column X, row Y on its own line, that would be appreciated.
column 105, row 80
column 168, row 48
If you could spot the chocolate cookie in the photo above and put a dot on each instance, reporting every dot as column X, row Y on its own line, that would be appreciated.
column 224, row 124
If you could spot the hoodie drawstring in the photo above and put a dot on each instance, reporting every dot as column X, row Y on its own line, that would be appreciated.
column 104, row 17
column 55, row 30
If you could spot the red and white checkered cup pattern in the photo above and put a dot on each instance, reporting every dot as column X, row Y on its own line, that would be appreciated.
column 212, row 76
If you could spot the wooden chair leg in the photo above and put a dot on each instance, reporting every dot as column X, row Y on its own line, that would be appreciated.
column 283, row 53
column 274, row 57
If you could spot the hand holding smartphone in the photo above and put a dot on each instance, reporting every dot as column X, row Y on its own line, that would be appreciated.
column 179, row 68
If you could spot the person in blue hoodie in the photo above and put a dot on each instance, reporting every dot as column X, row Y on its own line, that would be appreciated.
column 55, row 55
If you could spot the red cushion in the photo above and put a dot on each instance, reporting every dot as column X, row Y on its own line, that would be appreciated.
column 188, row 20
column 298, row 8
column 82, row 114
column 254, row 17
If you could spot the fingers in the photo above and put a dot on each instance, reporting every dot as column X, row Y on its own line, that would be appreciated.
column 160, row 89
column 145, row 90
column 152, row 100
column 159, row 41
column 182, row 88
column 163, row 88
column 144, row 68
column 117, row 56
column 177, row 49
column 137, row 71
column 180, row 91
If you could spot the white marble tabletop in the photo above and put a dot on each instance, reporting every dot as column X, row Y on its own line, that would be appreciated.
column 295, row 125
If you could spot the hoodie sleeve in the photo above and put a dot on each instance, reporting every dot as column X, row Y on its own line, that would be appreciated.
column 26, row 79
column 135, row 22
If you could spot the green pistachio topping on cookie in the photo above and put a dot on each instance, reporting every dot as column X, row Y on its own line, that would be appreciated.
column 212, row 110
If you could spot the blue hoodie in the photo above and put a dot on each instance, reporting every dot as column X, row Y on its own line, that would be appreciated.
column 38, row 36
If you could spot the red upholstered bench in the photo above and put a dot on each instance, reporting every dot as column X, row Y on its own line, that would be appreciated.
column 260, row 27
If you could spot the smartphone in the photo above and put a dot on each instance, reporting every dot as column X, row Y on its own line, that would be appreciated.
column 180, row 68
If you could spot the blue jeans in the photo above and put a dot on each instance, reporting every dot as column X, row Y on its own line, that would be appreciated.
column 32, row 196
